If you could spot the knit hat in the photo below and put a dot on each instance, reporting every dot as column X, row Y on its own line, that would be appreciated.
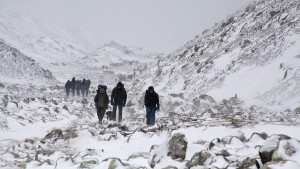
column 119, row 84
column 151, row 88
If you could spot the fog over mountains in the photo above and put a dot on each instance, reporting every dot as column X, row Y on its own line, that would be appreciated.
column 65, row 50
column 229, row 98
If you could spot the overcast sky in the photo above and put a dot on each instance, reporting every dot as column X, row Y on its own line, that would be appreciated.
column 157, row 25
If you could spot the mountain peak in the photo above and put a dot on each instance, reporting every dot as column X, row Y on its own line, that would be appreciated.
column 113, row 44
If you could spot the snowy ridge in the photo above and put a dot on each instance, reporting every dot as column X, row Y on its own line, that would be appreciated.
column 254, row 54
column 43, row 41
column 115, row 53
column 17, row 67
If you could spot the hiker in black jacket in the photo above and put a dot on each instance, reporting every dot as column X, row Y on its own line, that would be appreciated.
column 73, row 86
column 68, row 87
column 101, row 102
column 151, row 102
column 118, row 99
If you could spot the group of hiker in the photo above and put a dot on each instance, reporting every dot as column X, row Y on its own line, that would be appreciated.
column 118, row 101
column 77, row 87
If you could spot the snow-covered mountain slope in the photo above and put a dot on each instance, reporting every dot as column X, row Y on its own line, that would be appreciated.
column 114, row 53
column 18, row 68
column 64, row 50
column 43, row 41
column 254, row 54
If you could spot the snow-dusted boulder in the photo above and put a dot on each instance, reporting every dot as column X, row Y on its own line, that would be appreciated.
column 281, row 165
column 257, row 136
column 287, row 150
column 54, row 134
column 117, row 163
column 297, row 110
column 236, row 135
column 266, row 153
column 199, row 159
column 208, row 159
column 269, row 147
column 247, row 163
column 173, row 148
column 177, row 146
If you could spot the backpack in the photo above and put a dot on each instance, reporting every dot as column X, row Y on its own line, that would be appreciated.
column 150, row 98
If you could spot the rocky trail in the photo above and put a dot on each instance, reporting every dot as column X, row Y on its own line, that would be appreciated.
column 68, row 134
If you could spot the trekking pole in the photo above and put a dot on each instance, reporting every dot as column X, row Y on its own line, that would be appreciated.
column 145, row 111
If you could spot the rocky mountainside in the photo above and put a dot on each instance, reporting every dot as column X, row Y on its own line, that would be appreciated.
column 17, row 67
column 253, row 54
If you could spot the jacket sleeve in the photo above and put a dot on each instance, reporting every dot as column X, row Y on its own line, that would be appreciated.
column 112, row 95
column 106, row 101
column 96, row 98
column 125, row 96
column 157, row 101
column 145, row 99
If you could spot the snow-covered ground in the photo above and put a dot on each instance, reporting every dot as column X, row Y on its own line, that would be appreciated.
column 48, row 130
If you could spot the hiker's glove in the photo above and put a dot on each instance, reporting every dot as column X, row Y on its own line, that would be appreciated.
column 157, row 108
column 124, row 104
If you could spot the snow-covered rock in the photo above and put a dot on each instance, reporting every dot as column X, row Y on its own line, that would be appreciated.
column 174, row 148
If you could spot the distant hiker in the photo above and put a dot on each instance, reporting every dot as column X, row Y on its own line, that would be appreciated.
column 78, row 87
column 68, row 87
column 151, row 102
column 83, row 87
column 101, row 102
column 88, row 84
column 118, row 99
column 73, row 86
